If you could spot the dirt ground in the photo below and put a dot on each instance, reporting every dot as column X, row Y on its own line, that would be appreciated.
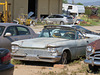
column 40, row 68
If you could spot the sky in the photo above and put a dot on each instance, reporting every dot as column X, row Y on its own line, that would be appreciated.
column 82, row 1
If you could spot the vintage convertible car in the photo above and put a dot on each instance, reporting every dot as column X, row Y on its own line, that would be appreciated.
column 93, row 55
column 55, row 44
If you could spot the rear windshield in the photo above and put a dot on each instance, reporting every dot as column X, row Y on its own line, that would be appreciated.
column 1, row 29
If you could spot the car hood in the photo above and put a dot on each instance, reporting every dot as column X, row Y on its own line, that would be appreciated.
column 41, row 42
column 95, row 45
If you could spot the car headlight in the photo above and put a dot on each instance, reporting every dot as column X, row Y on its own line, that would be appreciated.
column 52, row 50
column 90, row 49
column 14, row 48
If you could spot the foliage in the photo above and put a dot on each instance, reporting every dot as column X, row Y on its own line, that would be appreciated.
column 88, row 11
column 99, row 11
column 65, row 1
column 79, row 4
column 16, row 62
column 88, row 21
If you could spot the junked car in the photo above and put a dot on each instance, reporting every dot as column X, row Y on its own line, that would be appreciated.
column 87, row 33
column 93, row 55
column 55, row 44
column 10, row 32
column 59, row 19
column 78, row 21
column 6, row 68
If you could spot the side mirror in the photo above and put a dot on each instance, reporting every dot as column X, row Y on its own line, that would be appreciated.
column 8, row 34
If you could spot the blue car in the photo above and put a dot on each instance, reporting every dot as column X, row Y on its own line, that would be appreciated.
column 6, row 68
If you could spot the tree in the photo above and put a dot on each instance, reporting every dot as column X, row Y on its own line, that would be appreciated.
column 79, row 4
column 65, row 1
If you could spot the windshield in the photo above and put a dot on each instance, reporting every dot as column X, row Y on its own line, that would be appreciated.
column 1, row 29
column 58, row 33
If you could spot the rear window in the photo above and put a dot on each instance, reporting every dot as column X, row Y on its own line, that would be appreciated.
column 23, row 31
column 58, row 16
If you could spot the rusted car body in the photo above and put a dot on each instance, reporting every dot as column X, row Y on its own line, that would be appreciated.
column 93, row 55
column 10, row 32
column 55, row 44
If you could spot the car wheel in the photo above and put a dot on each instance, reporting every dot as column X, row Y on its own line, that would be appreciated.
column 93, row 68
column 63, row 59
column 61, row 23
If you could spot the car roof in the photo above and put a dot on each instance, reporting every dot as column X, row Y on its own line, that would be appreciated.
column 62, row 15
column 9, row 24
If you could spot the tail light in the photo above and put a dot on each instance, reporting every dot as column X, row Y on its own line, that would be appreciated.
column 6, row 59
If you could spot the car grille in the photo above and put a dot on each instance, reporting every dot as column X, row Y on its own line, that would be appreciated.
column 96, row 55
column 33, row 51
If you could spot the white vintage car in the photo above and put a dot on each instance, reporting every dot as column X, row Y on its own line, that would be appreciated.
column 55, row 44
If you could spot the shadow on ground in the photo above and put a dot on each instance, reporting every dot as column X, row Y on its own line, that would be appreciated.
column 33, row 63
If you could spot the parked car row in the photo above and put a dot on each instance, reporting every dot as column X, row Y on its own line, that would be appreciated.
column 55, row 44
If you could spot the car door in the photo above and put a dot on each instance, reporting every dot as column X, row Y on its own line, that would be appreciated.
column 6, row 40
column 81, row 44
column 58, row 19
